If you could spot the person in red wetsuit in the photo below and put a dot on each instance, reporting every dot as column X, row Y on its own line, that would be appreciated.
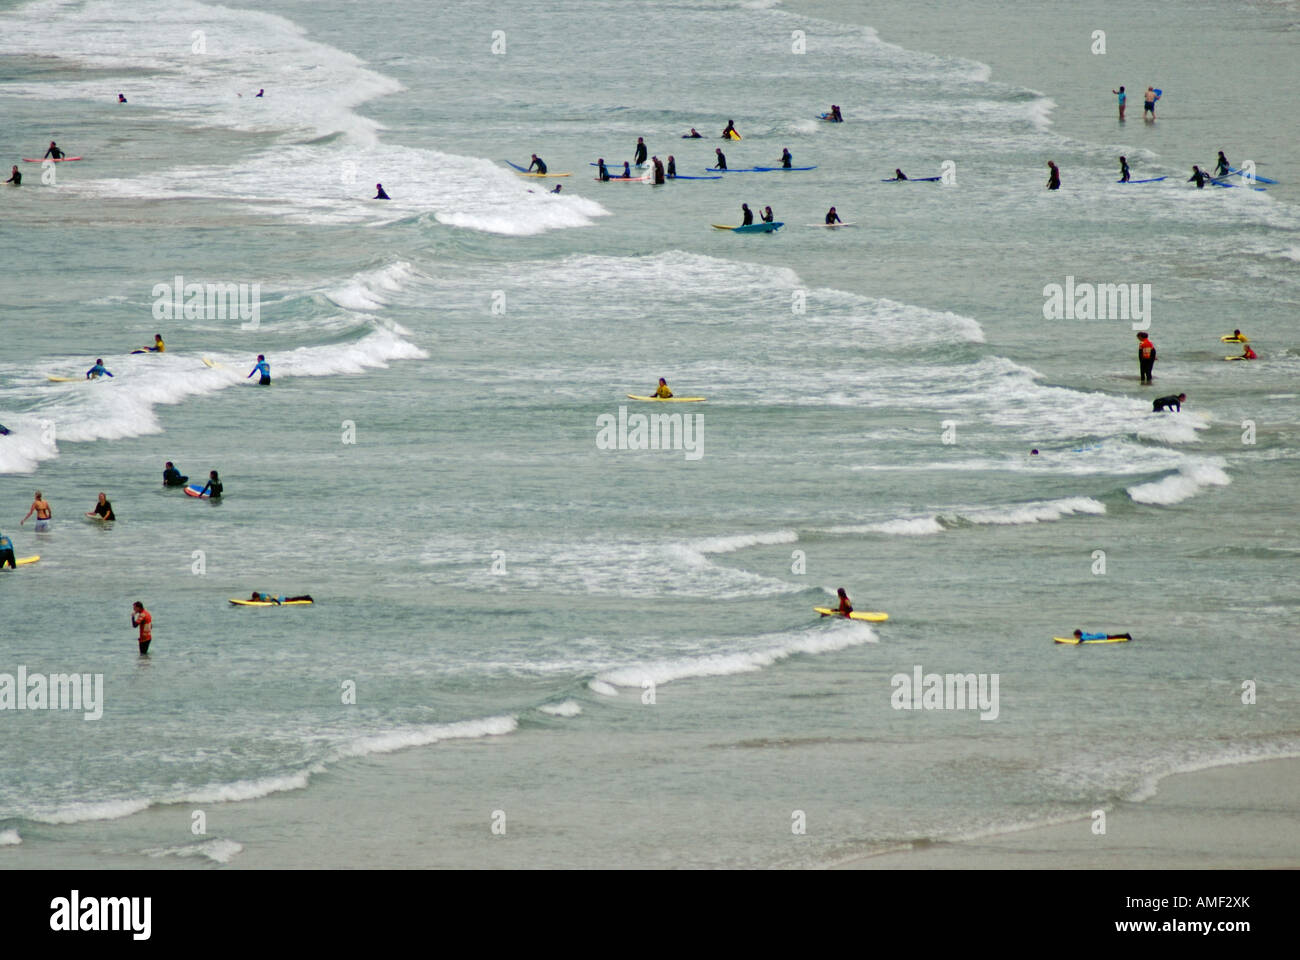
column 845, row 607
column 140, row 617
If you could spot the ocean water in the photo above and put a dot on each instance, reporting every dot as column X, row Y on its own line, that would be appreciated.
column 622, row 640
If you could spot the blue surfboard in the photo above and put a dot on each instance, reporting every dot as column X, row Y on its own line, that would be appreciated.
column 1148, row 180
column 682, row 176
column 1256, row 177
column 913, row 180
column 771, row 169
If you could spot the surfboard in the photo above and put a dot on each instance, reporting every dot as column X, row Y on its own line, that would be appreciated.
column 752, row 227
column 772, row 169
column 55, row 379
column 212, row 363
column 682, row 176
column 1148, row 180
column 842, row 223
column 543, row 175
column 1238, row 357
column 516, row 166
column 268, row 603
column 732, row 135
column 96, row 518
column 1256, row 177
column 60, row 160
column 828, row 118
column 732, row 169
column 1231, row 339
column 23, row 561
column 192, row 489
column 913, row 180
column 633, row 396
column 635, row 166
column 1158, row 92
column 1075, row 642
column 871, row 617
column 622, row 179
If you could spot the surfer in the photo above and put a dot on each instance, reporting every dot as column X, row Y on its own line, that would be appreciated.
column 121, row 99
column 1235, row 338
column 4, row 431
column 103, row 509
column 601, row 172
column 213, row 486
column 267, row 598
column 899, row 174
column 627, row 170
column 41, row 507
column 748, row 215
column 672, row 167
column 1199, row 176
column 264, row 368
column 1053, row 178
column 693, row 135
column 1224, row 168
column 379, row 193
column 1081, row 636
column 1123, row 170
column 638, row 156
column 786, row 159
column 538, row 163
column 834, row 116
column 54, row 153
column 1146, row 356
column 662, row 391
column 1122, row 97
column 729, row 130
column 767, row 215
column 845, row 608
column 832, row 216
column 98, row 370
column 7, row 553
column 260, row 91
column 1149, row 106
column 659, row 169
column 722, row 158
column 158, row 345
column 1246, row 352
column 558, row 188
column 142, row 618
column 15, row 178
column 172, row 477
column 1161, row 404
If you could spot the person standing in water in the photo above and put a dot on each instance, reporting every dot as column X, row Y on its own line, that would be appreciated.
column 1224, row 168
column 1122, row 97
column 767, row 215
column 103, row 510
column 1198, row 176
column 659, row 170
column 15, row 178
column 213, row 487
column 1146, row 356
column 1123, row 170
column 41, row 507
column 143, row 619
column 729, row 130
column 54, row 153
column 722, row 158
column 121, row 98
column 638, row 157
column 693, row 135
column 1149, row 104
column 748, row 215
column 1054, row 177
column 672, row 167
column 264, row 369
column 786, row 158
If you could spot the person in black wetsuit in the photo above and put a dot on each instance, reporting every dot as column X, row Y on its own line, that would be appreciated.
column 836, row 116
column 4, row 431
column 748, row 215
column 213, row 486
column 786, row 159
column 899, row 174
column 767, row 215
column 121, row 98
column 722, row 158
column 832, row 216
column 558, row 188
column 17, row 178
column 1053, row 178
column 1161, row 404
column 602, row 173
column 1123, row 169
column 672, row 167
column 1224, row 168
column 54, row 152
column 379, row 193
column 538, row 163
column 729, row 130
column 1198, row 176
column 172, row 477
column 639, row 156
column 103, row 509
column 693, row 135
column 261, row 91
column 659, row 169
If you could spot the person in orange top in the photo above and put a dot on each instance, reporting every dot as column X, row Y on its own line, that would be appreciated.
column 1247, row 353
column 1146, row 356
column 140, row 617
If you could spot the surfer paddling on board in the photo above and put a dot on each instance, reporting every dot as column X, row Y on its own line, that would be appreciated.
column 103, row 509
column 845, row 608
column 722, row 158
column 899, row 174
column 172, row 477
column 1054, row 177
column 142, row 618
column 662, row 390
column 1161, row 404
column 1235, row 338
column 1146, row 356
column 15, row 178
column 1123, row 170
column 379, row 193
column 98, row 370
column 832, row 216
column 41, row 507
column 213, row 487
column 693, row 135
column 54, row 153
column 264, row 369
column 538, row 163
column 1081, row 636
column 268, row 598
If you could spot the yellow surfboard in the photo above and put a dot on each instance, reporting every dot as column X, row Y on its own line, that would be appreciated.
column 735, row 136
column 55, row 379
column 855, row 615
column 633, row 396
column 544, row 174
column 269, row 603
column 23, row 561
column 1231, row 339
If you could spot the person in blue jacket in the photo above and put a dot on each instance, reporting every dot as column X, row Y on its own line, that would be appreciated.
column 98, row 370
column 263, row 368
column 7, row 553
column 1081, row 636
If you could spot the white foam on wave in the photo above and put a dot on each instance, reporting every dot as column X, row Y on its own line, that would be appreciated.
column 95, row 810
column 1037, row 511
column 428, row 734
column 847, row 634
column 9, row 838
column 742, row 541
column 373, row 289
column 217, row 850
column 1191, row 478
column 27, row 445
column 565, row 708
